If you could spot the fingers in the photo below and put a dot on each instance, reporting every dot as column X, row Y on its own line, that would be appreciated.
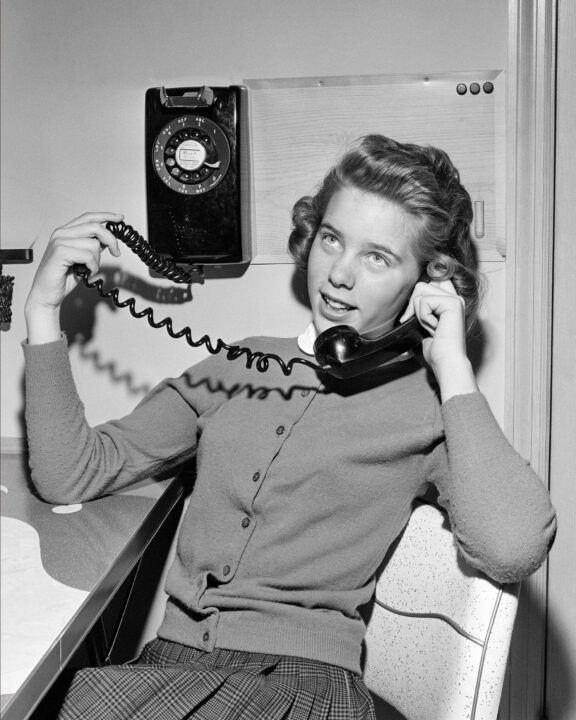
column 100, row 217
column 87, row 227
column 446, row 285
column 87, row 232
column 78, row 242
column 68, row 252
column 430, row 300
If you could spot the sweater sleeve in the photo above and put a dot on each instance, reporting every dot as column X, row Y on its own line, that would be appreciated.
column 71, row 461
column 500, row 512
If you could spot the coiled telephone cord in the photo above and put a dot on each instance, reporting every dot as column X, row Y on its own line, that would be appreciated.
column 163, row 266
column 132, row 239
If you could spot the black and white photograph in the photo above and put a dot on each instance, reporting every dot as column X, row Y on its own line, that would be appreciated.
column 288, row 390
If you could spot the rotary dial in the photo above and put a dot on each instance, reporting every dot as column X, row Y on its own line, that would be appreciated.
column 191, row 155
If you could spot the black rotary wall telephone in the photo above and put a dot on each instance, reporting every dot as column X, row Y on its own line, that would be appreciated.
column 340, row 351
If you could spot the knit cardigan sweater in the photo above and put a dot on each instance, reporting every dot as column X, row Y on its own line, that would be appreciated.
column 303, row 482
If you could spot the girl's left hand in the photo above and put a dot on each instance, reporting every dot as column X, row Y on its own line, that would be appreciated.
column 441, row 312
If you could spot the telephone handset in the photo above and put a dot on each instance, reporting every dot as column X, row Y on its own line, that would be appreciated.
column 340, row 351
column 343, row 352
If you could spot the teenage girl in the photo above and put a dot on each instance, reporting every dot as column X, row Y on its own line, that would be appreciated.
column 303, row 481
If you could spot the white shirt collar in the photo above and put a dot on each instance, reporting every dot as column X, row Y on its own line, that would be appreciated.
column 307, row 338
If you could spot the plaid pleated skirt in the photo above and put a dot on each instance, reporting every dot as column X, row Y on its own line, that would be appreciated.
column 173, row 682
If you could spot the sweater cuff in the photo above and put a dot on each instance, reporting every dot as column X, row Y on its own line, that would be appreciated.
column 36, row 356
column 27, row 347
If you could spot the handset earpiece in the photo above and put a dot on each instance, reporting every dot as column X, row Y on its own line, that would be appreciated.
column 341, row 350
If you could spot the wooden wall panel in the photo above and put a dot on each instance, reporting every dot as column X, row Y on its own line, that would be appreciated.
column 300, row 126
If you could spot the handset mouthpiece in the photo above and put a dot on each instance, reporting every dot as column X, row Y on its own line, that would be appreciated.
column 337, row 345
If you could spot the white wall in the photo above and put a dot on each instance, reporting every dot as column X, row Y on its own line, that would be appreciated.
column 74, row 73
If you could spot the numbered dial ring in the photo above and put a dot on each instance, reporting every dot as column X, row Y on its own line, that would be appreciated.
column 191, row 155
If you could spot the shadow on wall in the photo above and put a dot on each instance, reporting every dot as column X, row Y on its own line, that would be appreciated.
column 557, row 648
column 78, row 316
column 476, row 346
column 78, row 313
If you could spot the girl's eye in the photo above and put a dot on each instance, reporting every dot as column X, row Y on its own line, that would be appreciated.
column 330, row 239
column 378, row 259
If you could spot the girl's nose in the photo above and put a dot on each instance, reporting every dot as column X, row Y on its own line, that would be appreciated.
column 342, row 272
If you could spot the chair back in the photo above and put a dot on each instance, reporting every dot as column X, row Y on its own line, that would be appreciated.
column 438, row 636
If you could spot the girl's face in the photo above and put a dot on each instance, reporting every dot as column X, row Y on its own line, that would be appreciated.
column 361, row 268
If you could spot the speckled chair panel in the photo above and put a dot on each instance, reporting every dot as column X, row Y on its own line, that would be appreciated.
column 439, row 632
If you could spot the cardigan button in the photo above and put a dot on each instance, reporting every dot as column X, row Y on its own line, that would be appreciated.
column 245, row 522
column 226, row 570
column 206, row 637
column 256, row 476
column 280, row 430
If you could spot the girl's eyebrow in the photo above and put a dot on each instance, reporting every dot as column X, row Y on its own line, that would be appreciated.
column 331, row 228
column 384, row 249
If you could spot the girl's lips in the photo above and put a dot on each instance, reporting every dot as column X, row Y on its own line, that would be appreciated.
column 335, row 303
column 333, row 308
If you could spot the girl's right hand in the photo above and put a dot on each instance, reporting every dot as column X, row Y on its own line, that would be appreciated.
column 78, row 242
